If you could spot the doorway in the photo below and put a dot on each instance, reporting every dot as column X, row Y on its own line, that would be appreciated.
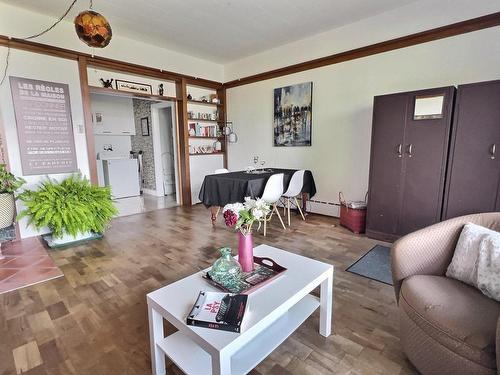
column 165, row 150
column 135, row 143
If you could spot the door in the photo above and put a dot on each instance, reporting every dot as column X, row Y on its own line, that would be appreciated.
column 425, row 155
column 474, row 172
column 384, row 194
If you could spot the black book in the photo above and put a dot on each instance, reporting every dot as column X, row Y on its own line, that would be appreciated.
column 218, row 311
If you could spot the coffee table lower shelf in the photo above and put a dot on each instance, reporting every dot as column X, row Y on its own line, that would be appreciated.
column 192, row 359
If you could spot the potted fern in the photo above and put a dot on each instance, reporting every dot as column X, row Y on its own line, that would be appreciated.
column 9, row 184
column 72, row 209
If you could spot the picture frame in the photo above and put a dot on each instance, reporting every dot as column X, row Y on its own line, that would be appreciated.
column 145, row 126
column 292, row 125
column 429, row 107
column 141, row 88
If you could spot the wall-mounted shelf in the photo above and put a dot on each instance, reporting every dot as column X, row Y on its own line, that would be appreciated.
column 192, row 101
column 126, row 94
column 205, row 137
column 208, row 153
column 205, row 120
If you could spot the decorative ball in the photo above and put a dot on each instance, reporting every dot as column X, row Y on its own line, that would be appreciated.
column 93, row 29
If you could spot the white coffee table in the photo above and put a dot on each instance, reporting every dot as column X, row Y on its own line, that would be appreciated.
column 273, row 313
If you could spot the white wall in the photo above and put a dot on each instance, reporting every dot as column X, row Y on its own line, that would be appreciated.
column 17, row 22
column 415, row 17
column 23, row 64
column 342, row 108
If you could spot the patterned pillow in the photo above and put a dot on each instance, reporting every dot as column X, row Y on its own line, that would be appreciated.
column 477, row 259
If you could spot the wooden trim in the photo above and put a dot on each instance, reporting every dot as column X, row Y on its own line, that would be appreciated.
column 87, row 117
column 474, row 24
column 105, row 63
column 183, row 146
column 221, row 94
column 127, row 94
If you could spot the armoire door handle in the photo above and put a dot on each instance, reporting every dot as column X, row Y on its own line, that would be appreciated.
column 400, row 150
column 410, row 150
column 493, row 151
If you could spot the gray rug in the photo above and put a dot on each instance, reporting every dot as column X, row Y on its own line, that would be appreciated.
column 375, row 265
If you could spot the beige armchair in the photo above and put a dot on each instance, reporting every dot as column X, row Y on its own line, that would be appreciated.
column 447, row 327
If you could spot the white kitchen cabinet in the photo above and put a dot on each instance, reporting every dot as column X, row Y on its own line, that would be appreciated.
column 112, row 115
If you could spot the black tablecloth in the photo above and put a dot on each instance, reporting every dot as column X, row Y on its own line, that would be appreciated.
column 232, row 187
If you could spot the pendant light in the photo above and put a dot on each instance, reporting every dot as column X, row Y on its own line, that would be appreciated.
column 92, row 28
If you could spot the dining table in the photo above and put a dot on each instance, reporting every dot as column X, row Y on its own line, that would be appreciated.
column 218, row 190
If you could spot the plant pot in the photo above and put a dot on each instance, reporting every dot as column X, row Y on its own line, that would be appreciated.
column 68, row 238
column 7, row 210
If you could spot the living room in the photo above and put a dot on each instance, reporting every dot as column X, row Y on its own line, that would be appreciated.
column 338, row 148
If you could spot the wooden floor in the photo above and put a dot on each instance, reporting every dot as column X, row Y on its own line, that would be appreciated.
column 94, row 320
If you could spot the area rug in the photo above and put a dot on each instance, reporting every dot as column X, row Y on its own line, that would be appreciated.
column 25, row 263
column 375, row 265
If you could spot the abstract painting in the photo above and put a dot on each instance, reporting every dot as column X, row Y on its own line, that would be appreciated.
column 293, row 115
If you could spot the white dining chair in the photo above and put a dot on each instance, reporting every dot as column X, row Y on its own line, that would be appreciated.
column 272, row 194
column 294, row 190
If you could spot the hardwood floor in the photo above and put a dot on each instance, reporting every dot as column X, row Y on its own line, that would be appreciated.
column 94, row 320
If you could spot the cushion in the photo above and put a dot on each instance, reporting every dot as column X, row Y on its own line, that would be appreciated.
column 454, row 314
column 476, row 260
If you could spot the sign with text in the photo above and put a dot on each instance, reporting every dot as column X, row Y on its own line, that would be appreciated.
column 44, row 126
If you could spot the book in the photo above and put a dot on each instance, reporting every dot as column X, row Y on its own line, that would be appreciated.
column 216, row 310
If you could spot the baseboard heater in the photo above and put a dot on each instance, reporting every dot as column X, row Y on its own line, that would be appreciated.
column 323, row 207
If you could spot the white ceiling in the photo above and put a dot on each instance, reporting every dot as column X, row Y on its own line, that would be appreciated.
column 220, row 30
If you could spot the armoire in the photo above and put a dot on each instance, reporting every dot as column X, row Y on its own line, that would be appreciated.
column 433, row 157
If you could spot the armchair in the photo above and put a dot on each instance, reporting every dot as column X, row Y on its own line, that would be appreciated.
column 447, row 327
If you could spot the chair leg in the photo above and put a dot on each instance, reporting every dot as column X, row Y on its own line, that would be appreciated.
column 300, row 209
column 265, row 226
column 279, row 216
column 288, row 210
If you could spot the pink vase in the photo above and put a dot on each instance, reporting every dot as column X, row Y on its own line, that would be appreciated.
column 245, row 251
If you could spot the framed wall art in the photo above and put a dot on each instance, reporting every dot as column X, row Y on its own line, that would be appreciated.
column 293, row 115
column 141, row 88
column 145, row 127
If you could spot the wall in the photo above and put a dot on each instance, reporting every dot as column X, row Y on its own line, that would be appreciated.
column 48, row 68
column 18, row 22
column 142, row 108
column 342, row 108
column 415, row 17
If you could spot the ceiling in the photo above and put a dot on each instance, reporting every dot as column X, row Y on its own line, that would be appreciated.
column 220, row 30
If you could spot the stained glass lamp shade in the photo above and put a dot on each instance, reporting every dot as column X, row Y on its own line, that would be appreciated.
column 93, row 29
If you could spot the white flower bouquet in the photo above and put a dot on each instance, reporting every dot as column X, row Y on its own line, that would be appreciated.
column 242, row 216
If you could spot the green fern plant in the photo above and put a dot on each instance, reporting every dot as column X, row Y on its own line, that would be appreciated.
column 71, row 206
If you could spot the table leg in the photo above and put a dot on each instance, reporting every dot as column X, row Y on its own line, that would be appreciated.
column 214, row 210
column 326, row 301
column 156, row 333
column 305, row 197
column 221, row 364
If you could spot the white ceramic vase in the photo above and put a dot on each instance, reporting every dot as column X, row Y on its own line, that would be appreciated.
column 7, row 210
